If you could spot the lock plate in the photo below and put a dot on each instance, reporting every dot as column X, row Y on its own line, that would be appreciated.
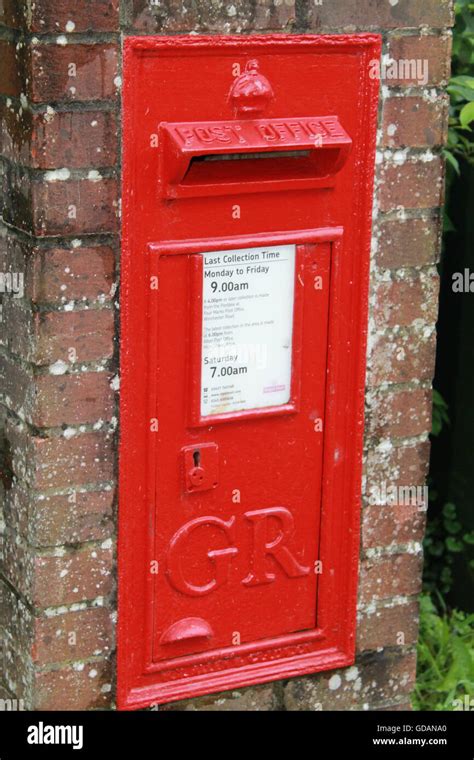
column 201, row 467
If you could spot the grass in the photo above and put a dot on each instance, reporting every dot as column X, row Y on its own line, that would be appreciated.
column 445, row 673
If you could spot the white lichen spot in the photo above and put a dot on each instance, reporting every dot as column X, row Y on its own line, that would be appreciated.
column 58, row 368
column 69, row 433
column 335, row 682
column 76, row 243
column 92, row 673
column 61, row 40
column 427, row 156
column 391, row 129
column 352, row 673
column 70, row 26
column 57, row 175
column 115, row 383
column 118, row 81
column 94, row 175
column 49, row 114
column 400, row 157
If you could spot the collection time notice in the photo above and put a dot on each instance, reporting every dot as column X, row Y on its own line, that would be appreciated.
column 247, row 328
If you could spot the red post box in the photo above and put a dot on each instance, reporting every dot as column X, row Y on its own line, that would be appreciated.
column 247, row 201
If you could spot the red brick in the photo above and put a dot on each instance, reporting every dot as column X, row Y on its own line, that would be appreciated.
column 16, row 127
column 54, row 519
column 74, row 577
column 401, row 358
column 402, row 302
column 397, row 465
column 59, row 462
column 86, row 271
column 383, row 525
column 12, row 13
column 434, row 49
column 414, row 184
column 414, row 122
column 74, row 139
column 382, row 627
column 83, row 687
column 95, row 16
column 73, row 399
column 96, row 69
column 397, row 575
column 17, row 563
column 12, row 69
column 408, row 243
column 72, row 636
column 399, row 414
column 212, row 16
column 16, row 197
column 95, row 205
column 88, row 518
column 374, row 15
column 60, row 207
column 16, row 634
column 58, row 139
column 53, row 400
column 68, row 336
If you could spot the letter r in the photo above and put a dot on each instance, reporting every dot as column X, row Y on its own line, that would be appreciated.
column 262, row 547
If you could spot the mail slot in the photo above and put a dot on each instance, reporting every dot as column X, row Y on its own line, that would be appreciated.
column 247, row 201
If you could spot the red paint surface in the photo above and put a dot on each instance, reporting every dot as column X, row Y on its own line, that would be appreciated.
column 234, row 598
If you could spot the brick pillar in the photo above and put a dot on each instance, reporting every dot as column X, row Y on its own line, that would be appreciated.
column 60, row 114
column 59, row 69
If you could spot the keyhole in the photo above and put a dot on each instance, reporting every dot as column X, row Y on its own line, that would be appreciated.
column 197, row 458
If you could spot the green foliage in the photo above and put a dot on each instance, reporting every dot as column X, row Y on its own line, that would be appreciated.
column 446, row 642
column 460, row 145
column 445, row 537
column 440, row 413
column 445, row 657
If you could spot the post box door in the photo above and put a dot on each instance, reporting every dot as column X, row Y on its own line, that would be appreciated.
column 247, row 204
column 238, row 477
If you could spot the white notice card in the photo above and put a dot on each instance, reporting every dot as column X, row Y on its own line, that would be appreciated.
column 247, row 328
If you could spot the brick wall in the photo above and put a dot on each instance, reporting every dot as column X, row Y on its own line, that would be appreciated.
column 59, row 229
